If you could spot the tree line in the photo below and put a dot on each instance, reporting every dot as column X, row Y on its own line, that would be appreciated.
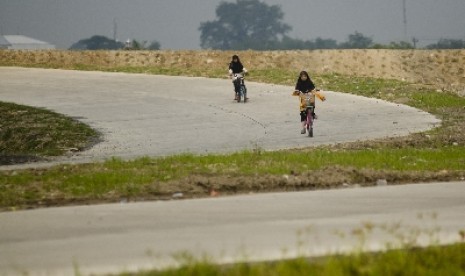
column 255, row 25
column 100, row 42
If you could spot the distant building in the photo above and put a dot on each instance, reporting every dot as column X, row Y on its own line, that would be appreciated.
column 21, row 42
column 4, row 44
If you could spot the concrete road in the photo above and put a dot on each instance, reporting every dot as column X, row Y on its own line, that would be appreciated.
column 151, row 115
column 131, row 236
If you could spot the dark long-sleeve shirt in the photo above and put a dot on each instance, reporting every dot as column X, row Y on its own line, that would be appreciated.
column 305, row 86
column 236, row 67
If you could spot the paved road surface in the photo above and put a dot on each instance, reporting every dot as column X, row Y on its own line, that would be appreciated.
column 162, row 115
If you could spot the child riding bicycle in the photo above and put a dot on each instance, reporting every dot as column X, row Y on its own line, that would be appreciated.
column 304, row 86
column 235, row 68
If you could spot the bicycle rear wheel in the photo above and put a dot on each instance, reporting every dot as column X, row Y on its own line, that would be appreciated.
column 310, row 121
column 240, row 95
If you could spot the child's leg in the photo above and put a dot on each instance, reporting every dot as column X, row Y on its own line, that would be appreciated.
column 237, row 86
column 236, row 89
column 303, row 121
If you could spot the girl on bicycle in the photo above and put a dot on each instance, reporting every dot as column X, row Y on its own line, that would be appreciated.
column 236, row 67
column 305, row 85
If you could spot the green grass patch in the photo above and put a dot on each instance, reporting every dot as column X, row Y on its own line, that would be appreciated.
column 432, row 260
column 153, row 177
column 363, row 86
column 34, row 131
column 171, row 71
column 437, row 103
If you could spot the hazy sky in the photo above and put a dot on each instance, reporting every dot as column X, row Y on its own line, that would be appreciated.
column 175, row 23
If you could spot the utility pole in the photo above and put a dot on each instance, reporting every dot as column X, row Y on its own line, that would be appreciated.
column 405, row 18
column 115, row 29
column 415, row 41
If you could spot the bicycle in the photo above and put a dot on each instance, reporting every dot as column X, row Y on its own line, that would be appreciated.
column 238, row 79
column 309, row 100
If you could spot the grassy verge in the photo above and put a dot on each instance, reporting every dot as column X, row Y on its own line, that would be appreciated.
column 28, row 133
column 433, row 260
column 433, row 155
column 197, row 176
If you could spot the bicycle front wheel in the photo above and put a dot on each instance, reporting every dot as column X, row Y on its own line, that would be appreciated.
column 310, row 121
column 241, row 94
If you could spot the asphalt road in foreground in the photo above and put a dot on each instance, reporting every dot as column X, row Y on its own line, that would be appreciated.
column 132, row 236
column 147, row 115
column 144, row 115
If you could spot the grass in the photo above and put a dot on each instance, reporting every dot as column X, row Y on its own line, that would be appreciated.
column 433, row 260
column 172, row 71
column 159, row 178
column 33, row 131
column 402, row 255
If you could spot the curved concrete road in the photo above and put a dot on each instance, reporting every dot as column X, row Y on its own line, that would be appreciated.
column 160, row 115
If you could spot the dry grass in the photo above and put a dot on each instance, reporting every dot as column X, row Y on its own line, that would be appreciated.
column 440, row 69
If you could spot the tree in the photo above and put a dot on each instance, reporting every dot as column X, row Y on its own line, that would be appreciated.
column 357, row 41
column 246, row 24
column 448, row 44
column 141, row 45
column 155, row 45
column 321, row 43
column 288, row 43
column 97, row 42
column 137, row 45
column 393, row 45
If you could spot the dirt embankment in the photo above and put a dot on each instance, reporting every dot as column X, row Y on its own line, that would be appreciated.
column 442, row 69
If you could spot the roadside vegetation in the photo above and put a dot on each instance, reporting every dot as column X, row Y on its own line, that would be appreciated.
column 30, row 134
column 433, row 260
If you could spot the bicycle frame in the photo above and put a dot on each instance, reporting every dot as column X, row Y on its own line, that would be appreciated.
column 309, row 100
column 310, row 119
column 242, row 93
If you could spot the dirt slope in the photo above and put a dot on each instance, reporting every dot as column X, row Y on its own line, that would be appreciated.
column 442, row 69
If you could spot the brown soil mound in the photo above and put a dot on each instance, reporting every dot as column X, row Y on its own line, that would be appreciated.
column 442, row 69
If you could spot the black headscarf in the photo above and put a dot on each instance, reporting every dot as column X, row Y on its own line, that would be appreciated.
column 304, row 86
column 236, row 67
